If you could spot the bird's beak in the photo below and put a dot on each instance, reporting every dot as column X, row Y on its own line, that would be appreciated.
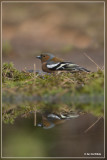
column 39, row 57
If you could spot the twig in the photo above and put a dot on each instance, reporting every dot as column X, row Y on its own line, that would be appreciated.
column 92, row 61
column 35, row 118
column 103, row 68
column 34, row 70
column 92, row 125
column 34, row 73
column 34, row 83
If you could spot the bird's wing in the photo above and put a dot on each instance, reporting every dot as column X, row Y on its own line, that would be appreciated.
column 52, row 65
column 66, row 66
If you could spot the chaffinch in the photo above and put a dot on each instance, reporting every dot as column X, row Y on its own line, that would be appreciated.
column 50, row 64
column 51, row 120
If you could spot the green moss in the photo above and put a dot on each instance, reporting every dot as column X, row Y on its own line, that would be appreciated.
column 10, row 73
column 79, row 91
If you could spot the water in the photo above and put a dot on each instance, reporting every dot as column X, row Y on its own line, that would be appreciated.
column 66, row 139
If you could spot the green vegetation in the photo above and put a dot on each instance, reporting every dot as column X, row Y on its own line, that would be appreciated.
column 25, row 92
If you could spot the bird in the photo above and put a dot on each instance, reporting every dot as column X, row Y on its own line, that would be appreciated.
column 51, row 64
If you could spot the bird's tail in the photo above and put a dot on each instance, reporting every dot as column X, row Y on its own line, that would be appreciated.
column 75, row 68
column 82, row 69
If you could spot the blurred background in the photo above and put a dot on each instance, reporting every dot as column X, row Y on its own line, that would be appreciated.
column 67, row 30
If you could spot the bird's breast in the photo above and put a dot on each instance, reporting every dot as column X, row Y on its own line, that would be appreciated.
column 45, row 69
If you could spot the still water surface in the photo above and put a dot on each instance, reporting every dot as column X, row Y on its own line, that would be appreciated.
column 68, row 139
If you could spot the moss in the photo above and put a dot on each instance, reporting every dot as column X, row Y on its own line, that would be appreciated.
column 79, row 91
column 9, row 73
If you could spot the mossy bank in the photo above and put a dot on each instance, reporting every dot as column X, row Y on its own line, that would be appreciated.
column 25, row 92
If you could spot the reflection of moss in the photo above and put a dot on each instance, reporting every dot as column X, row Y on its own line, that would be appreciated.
column 7, row 48
column 79, row 91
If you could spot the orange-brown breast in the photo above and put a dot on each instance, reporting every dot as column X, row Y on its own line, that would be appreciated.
column 45, row 69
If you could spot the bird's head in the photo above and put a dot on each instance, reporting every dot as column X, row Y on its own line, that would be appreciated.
column 45, row 57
